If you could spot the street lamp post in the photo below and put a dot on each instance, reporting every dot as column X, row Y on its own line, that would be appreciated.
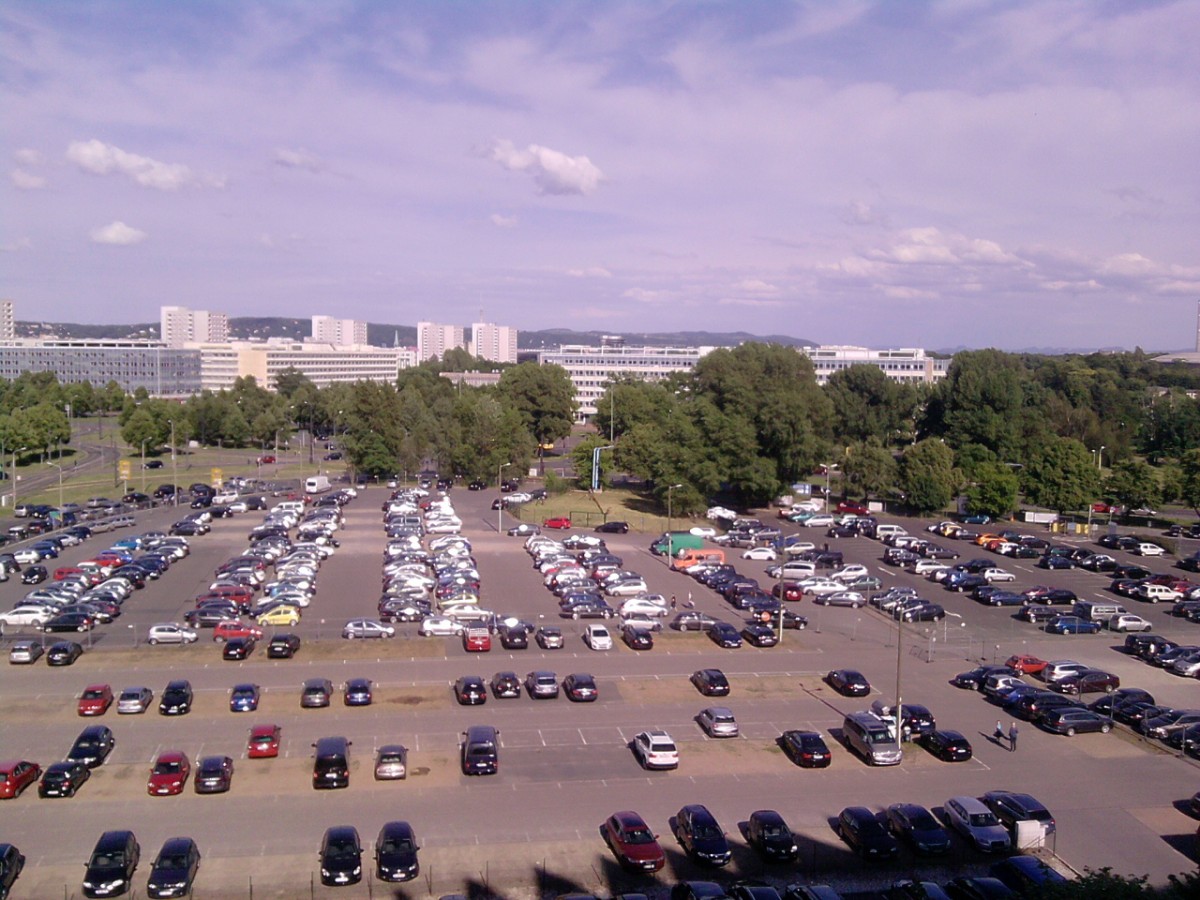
column 500, row 504
column 899, row 711
column 174, row 467
column 1100, row 458
column 13, row 473
column 670, row 542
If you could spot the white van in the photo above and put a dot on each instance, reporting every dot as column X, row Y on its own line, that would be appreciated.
column 316, row 484
column 1155, row 593
column 871, row 737
column 882, row 531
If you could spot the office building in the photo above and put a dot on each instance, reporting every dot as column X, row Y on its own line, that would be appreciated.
column 179, row 325
column 909, row 365
column 168, row 372
column 496, row 343
column 323, row 364
column 433, row 340
column 339, row 332
column 592, row 368
column 8, row 325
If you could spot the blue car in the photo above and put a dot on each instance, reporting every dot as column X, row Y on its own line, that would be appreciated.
column 244, row 698
column 1072, row 625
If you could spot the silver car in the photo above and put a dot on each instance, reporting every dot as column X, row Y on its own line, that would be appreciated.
column 971, row 818
column 134, row 700
column 718, row 722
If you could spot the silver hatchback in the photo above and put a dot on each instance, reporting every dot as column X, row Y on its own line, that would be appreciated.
column 973, row 820
column 718, row 722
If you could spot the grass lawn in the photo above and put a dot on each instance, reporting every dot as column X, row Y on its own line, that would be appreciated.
column 587, row 510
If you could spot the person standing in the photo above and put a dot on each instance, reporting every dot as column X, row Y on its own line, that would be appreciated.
column 673, row 602
column 1012, row 737
column 998, row 734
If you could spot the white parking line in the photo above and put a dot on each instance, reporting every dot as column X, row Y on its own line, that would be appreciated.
column 581, row 737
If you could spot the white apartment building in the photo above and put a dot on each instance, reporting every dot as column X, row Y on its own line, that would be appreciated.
column 324, row 364
column 592, row 368
column 8, row 324
column 496, row 343
column 339, row 332
column 433, row 340
column 909, row 364
column 179, row 325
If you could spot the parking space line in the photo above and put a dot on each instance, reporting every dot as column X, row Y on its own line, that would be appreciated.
column 581, row 737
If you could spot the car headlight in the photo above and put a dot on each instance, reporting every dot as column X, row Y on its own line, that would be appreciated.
column 324, row 872
column 358, row 870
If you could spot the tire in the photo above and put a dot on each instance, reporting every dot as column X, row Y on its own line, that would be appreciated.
column 1105, row 728
column 1070, row 732
column 152, row 641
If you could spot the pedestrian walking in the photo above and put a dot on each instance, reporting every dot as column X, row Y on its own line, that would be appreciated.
column 1012, row 737
column 998, row 734
column 674, row 602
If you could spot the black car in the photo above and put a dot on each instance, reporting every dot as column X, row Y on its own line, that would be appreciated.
column 341, row 856
column 75, row 621
column 580, row 687
column 700, row 836
column 710, row 682
column 514, row 639
column 469, row 690
column 114, row 860
column 63, row 779
column 770, row 836
column 238, row 648
column 848, row 682
column 916, row 824
column 974, row 679
column 34, row 575
column 506, row 685
column 214, row 775
column 637, row 637
column 63, row 653
column 978, row 887
column 725, row 635
column 760, row 635
column 12, row 861
column 174, row 869
column 176, row 699
column 806, row 748
column 283, row 646
column 396, row 853
column 613, row 528
column 92, row 746
column 948, row 746
column 690, row 620
column 1011, row 807
column 864, row 834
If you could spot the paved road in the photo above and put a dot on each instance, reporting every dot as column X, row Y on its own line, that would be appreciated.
column 564, row 767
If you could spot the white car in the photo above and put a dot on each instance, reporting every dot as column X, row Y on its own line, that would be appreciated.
column 703, row 531
column 629, row 588
column 1129, row 622
column 850, row 573
column 440, row 626
column 598, row 637
column 224, row 498
column 996, row 575
column 927, row 566
column 640, row 606
column 656, row 750
column 22, row 616
column 27, row 556
column 444, row 526
column 797, row 547
column 170, row 633
column 821, row 586
column 720, row 512
column 465, row 614
column 1140, row 550
column 766, row 554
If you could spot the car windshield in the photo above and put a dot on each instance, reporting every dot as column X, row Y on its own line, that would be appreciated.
column 93, row 694
column 982, row 820
column 342, row 851
column 707, row 832
column 403, row 845
column 923, row 821
column 639, row 836
column 880, row 735
column 169, row 767
column 108, row 860
column 175, row 861
column 482, row 750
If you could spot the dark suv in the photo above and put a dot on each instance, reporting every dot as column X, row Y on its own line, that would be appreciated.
column 700, row 836
column 176, row 699
column 110, row 870
column 1011, row 808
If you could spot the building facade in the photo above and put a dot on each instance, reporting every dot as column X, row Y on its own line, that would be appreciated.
column 339, row 332
column 433, row 340
column 323, row 364
column 8, row 324
column 908, row 365
column 496, row 343
column 592, row 368
column 179, row 326
column 169, row 372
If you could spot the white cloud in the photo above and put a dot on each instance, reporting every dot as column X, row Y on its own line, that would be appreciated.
column 504, row 221
column 642, row 295
column 27, row 156
column 932, row 246
column 590, row 272
column 17, row 246
column 117, row 233
column 756, row 286
column 552, row 171
column 105, row 159
column 747, row 301
column 26, row 181
column 298, row 159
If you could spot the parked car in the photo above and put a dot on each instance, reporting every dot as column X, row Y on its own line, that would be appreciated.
column 770, row 836
column 63, row 779
column 16, row 775
column 391, row 762
column 700, row 836
column 948, row 746
column 718, row 722
column 341, row 854
column 655, row 750
column 169, row 774
column 632, row 842
column 214, row 775
column 848, row 682
column 971, row 818
column 95, row 700
column 396, row 853
column 113, row 861
column 174, row 868
column 806, row 749
column 63, row 653
column 264, row 742
column 864, row 834
column 915, row 824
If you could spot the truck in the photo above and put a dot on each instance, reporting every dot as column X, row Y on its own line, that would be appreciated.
column 316, row 484
column 671, row 542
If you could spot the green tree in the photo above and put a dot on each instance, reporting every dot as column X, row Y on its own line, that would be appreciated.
column 1133, row 484
column 290, row 381
column 1060, row 475
column 869, row 470
column 1190, row 479
column 543, row 396
column 927, row 476
column 994, row 490
column 867, row 404
column 981, row 401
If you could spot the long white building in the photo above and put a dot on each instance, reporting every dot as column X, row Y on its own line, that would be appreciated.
column 909, row 365
column 324, row 364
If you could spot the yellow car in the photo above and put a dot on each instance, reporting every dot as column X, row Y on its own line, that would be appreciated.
column 283, row 615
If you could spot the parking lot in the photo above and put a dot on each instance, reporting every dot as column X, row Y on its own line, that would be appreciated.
column 1118, row 800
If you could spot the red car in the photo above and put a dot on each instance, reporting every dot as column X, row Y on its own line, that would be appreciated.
column 264, row 742
column 1025, row 664
column 16, row 775
column 632, row 842
column 170, row 774
column 791, row 590
column 95, row 700
column 561, row 522
column 224, row 631
column 266, row 460
column 856, row 508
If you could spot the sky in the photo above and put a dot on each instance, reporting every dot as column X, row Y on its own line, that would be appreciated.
column 886, row 174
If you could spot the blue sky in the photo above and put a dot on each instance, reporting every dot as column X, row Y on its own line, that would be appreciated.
column 965, row 173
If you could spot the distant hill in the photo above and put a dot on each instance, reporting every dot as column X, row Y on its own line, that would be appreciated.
column 380, row 335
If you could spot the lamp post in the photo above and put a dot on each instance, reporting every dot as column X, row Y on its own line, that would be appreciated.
column 1100, row 458
column 899, row 711
column 13, row 473
column 500, row 504
column 174, row 467
column 60, row 492
column 670, row 542
column 143, row 467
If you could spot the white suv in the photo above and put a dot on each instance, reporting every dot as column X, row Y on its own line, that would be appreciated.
column 656, row 750
column 597, row 637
